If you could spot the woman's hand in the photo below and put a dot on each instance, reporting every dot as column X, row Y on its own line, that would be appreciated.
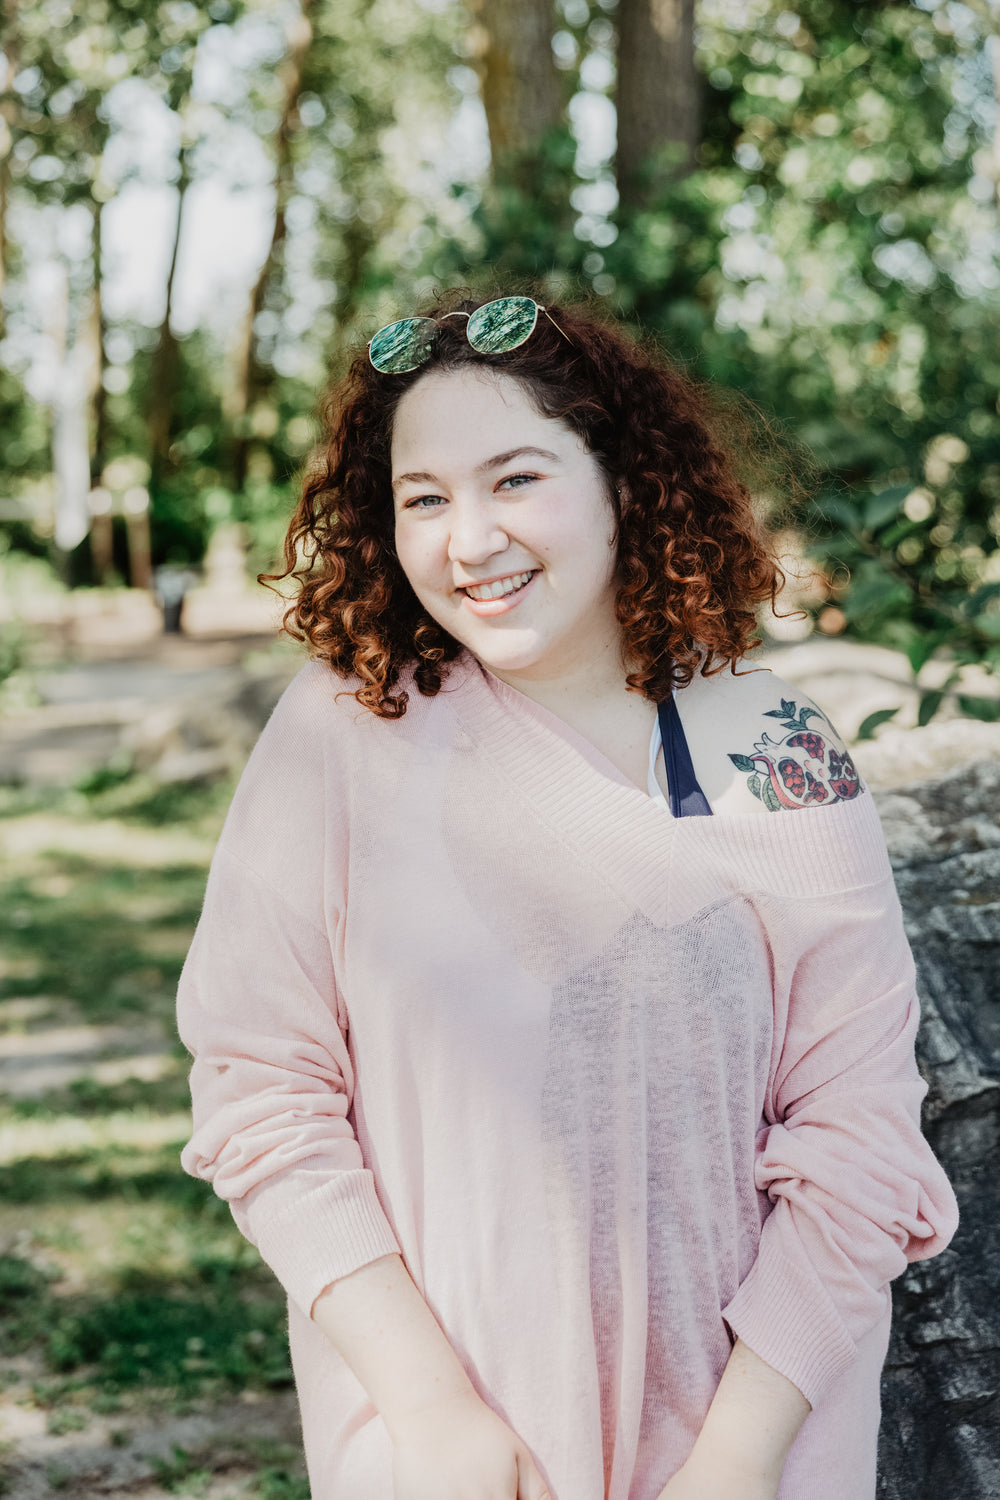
column 459, row 1449
column 697, row 1480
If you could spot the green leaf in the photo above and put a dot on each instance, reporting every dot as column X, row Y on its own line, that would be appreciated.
column 987, row 709
column 838, row 511
column 930, row 702
column 743, row 762
column 921, row 649
column 874, row 595
column 884, row 506
column 769, row 798
column 868, row 726
column 753, row 782
column 890, row 539
column 983, row 595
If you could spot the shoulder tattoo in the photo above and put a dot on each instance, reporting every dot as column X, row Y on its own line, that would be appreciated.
column 803, row 766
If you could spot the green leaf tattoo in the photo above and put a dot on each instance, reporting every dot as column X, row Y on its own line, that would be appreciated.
column 769, row 799
column 790, row 718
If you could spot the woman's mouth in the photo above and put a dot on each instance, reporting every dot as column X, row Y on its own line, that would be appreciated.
column 497, row 597
column 498, row 588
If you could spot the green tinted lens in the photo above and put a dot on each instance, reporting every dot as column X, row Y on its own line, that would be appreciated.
column 402, row 346
column 498, row 326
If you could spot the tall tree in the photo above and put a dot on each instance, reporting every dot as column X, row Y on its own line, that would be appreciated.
column 249, row 376
column 171, row 48
column 8, row 115
column 163, row 384
column 521, row 91
column 657, row 96
column 99, row 399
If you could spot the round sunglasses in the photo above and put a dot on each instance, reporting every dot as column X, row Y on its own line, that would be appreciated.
column 494, row 328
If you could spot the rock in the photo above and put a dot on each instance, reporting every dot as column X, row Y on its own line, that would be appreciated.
column 940, row 1433
column 187, row 766
column 203, row 737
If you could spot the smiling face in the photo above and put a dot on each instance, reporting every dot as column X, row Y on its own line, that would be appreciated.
column 504, row 526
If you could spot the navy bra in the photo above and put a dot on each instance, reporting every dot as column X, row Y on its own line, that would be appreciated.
column 686, row 798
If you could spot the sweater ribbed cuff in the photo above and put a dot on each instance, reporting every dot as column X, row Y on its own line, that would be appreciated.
column 324, row 1235
column 786, row 1316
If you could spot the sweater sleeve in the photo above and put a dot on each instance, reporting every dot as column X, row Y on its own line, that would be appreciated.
column 857, row 1192
column 258, row 1007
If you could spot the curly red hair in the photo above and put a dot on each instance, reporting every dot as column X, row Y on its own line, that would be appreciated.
column 693, row 560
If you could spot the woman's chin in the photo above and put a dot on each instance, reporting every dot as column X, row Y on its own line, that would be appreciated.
column 507, row 657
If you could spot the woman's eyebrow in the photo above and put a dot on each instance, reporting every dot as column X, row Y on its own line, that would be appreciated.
column 422, row 477
column 505, row 458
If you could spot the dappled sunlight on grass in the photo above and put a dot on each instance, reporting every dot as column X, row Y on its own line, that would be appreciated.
column 126, row 1292
column 92, row 942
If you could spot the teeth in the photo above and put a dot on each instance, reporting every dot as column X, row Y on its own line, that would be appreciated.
column 499, row 588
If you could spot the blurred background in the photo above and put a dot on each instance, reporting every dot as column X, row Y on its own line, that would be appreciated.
column 204, row 210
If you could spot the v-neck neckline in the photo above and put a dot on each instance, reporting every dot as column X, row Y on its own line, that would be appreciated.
column 627, row 833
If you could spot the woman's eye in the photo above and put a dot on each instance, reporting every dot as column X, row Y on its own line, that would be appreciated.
column 517, row 481
column 424, row 502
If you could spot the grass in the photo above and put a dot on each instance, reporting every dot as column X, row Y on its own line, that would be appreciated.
column 186, row 1473
column 124, row 1284
column 109, row 940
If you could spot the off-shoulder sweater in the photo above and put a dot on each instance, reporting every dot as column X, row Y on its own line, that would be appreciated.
column 618, row 1086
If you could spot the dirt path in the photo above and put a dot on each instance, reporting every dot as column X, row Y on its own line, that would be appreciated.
column 215, row 1451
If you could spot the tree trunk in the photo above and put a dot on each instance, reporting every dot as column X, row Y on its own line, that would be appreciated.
column 993, row 57
column 520, row 87
column 99, row 407
column 249, row 378
column 70, row 439
column 8, row 116
column 657, row 96
column 163, row 380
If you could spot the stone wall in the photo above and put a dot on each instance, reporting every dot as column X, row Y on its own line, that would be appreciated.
column 940, row 1435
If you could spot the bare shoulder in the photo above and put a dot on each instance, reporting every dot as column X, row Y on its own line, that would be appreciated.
column 759, row 744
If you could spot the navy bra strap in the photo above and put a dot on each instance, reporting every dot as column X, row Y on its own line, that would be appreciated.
column 687, row 800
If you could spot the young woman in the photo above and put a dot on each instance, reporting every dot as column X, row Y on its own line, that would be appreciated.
column 552, row 1016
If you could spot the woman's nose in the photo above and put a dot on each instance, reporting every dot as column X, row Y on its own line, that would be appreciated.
column 475, row 534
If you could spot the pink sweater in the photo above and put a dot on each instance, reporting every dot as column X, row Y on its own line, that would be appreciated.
column 618, row 1087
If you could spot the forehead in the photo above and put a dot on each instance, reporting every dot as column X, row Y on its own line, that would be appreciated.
column 452, row 417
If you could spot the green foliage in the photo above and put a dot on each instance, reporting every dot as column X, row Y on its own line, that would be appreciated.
column 67, row 1419
column 282, row 1484
column 183, row 1336
column 867, row 303
column 24, row 1301
column 11, row 649
column 871, row 722
column 186, row 1473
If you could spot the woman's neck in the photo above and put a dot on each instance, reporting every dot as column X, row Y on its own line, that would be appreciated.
column 596, row 684
column 597, row 703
